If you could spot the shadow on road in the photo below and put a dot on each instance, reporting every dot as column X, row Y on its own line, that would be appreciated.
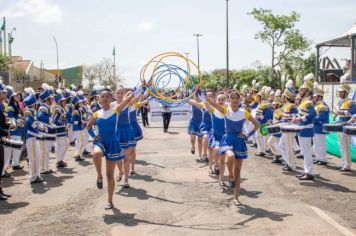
column 257, row 213
column 141, row 194
column 128, row 219
column 334, row 187
column 67, row 171
column 250, row 194
column 149, row 178
column 51, row 181
column 145, row 163
column 84, row 163
column 7, row 208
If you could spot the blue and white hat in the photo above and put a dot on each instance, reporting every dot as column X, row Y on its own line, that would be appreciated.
column 30, row 99
column 2, row 88
column 45, row 94
column 75, row 100
column 59, row 97
column 81, row 96
column 9, row 92
column 67, row 93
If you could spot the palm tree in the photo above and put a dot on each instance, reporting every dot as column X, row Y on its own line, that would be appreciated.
column 5, row 62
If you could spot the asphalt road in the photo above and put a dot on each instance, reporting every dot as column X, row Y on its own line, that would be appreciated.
column 172, row 194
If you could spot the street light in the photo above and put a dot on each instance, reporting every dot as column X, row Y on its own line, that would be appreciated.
column 227, row 44
column 57, row 74
column 197, row 36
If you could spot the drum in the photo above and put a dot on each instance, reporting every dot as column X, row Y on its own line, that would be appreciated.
column 47, row 137
column 50, row 137
column 350, row 129
column 15, row 144
column 336, row 127
column 60, row 129
column 291, row 128
column 274, row 129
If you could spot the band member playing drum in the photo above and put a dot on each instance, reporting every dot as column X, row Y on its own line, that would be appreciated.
column 59, row 119
column 44, row 116
column 346, row 108
column 289, row 110
column 32, row 144
column 321, row 118
column 305, row 118
column 264, row 114
column 275, row 138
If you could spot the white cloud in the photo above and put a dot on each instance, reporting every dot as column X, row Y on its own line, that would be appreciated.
column 143, row 26
column 40, row 11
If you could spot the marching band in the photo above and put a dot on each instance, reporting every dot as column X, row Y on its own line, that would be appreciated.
column 290, row 124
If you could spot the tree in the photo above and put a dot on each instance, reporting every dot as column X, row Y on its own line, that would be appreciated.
column 280, row 34
column 101, row 73
column 5, row 62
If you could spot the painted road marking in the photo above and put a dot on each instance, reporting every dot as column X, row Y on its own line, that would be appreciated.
column 332, row 222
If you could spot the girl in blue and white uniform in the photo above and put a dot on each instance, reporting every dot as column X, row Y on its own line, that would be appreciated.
column 136, row 130
column 217, row 162
column 106, row 140
column 233, row 144
column 125, row 132
column 205, row 129
column 194, row 124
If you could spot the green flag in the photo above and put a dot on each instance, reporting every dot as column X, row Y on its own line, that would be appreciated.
column 113, row 51
column 3, row 27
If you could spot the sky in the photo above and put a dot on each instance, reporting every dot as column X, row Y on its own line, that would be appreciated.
column 87, row 30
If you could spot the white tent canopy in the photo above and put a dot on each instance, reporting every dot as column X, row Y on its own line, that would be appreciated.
column 343, row 41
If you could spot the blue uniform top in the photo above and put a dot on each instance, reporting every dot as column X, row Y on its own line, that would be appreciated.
column 59, row 116
column 197, row 115
column 207, row 119
column 234, row 120
column 264, row 112
column 322, row 117
column 124, row 117
column 77, row 120
column 44, row 115
column 348, row 107
column 307, row 112
column 218, row 123
column 133, row 113
column 69, row 109
column 31, row 125
column 14, row 115
column 288, row 111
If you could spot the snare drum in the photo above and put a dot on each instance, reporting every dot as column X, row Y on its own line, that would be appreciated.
column 291, row 128
column 60, row 129
column 274, row 129
column 48, row 137
column 350, row 129
column 336, row 127
column 11, row 143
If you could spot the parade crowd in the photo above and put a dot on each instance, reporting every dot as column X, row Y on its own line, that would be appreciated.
column 285, row 124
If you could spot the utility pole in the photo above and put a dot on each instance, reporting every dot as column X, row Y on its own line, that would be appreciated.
column 197, row 36
column 227, row 44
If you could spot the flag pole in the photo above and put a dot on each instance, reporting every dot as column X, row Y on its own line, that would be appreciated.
column 114, row 67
